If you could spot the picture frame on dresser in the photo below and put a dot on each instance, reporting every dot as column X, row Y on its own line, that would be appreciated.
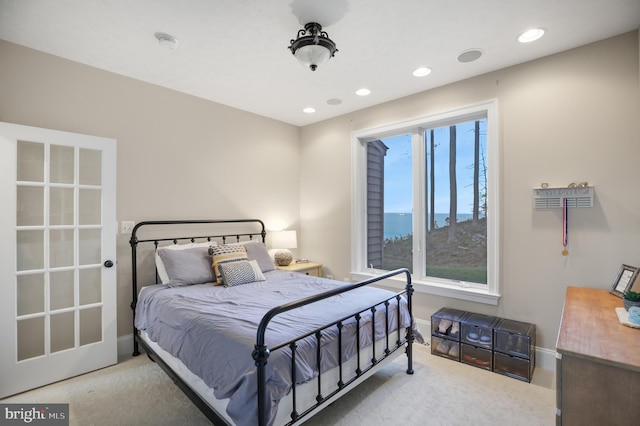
column 624, row 280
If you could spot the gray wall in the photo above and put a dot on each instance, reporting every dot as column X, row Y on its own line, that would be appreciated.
column 179, row 157
column 570, row 117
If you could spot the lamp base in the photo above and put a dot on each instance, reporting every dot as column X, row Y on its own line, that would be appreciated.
column 283, row 257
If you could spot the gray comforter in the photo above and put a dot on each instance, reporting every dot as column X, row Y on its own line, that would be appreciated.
column 212, row 330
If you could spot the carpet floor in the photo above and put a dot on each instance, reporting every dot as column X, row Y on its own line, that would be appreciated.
column 440, row 393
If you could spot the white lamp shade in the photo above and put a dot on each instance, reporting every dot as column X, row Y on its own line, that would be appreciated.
column 284, row 240
column 312, row 54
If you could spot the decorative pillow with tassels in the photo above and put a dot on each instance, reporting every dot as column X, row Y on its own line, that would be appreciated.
column 226, row 253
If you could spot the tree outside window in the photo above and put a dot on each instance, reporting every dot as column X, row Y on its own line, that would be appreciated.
column 450, row 212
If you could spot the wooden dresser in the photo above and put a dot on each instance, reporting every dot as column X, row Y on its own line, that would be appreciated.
column 598, row 365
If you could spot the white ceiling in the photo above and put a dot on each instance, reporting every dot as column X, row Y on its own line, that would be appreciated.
column 235, row 51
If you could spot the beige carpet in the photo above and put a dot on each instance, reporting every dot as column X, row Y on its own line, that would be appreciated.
column 441, row 392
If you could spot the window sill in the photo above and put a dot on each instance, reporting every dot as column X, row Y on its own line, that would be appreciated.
column 471, row 294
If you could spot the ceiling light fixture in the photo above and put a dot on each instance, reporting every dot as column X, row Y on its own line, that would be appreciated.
column 422, row 71
column 363, row 92
column 166, row 40
column 531, row 35
column 309, row 110
column 313, row 46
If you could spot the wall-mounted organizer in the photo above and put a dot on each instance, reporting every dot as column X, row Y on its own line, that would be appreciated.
column 552, row 198
column 504, row 346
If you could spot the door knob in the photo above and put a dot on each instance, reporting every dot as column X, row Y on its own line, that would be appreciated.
column 108, row 263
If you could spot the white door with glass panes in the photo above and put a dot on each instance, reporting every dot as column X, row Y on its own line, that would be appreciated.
column 57, row 267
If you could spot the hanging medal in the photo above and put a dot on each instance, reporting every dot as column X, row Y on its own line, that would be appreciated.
column 565, row 227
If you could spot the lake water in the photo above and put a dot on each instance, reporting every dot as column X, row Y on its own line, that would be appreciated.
column 399, row 224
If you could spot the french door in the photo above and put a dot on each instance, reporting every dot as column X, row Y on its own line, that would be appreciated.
column 57, row 264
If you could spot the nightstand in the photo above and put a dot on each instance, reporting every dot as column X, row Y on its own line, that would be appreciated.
column 309, row 268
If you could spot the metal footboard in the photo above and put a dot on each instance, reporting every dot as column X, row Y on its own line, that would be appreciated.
column 262, row 351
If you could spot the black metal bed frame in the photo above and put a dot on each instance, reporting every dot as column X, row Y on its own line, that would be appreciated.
column 261, row 351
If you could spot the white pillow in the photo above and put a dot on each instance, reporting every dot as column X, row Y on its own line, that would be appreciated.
column 162, row 271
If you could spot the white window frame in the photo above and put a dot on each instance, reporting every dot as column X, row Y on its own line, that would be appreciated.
column 489, row 294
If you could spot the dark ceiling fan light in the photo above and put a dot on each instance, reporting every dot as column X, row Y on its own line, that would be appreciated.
column 313, row 46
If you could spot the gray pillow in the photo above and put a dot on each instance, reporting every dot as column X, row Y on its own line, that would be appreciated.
column 189, row 266
column 240, row 272
column 258, row 251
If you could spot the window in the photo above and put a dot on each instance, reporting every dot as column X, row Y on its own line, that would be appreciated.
column 426, row 199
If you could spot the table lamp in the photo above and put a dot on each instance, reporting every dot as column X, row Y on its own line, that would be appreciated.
column 282, row 241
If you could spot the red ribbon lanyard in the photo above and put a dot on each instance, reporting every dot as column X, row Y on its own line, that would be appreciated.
column 565, row 226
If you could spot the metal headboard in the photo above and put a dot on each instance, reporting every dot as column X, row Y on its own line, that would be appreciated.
column 214, row 235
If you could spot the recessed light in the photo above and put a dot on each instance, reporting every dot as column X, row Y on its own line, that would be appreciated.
column 334, row 101
column 309, row 110
column 531, row 35
column 422, row 71
column 167, row 41
column 363, row 92
column 469, row 55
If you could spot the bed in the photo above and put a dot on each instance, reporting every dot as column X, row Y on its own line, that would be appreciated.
column 249, row 343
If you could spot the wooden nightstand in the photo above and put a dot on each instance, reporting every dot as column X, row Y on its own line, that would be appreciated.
column 309, row 268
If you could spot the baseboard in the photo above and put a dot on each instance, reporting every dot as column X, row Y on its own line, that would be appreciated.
column 425, row 328
column 125, row 345
column 546, row 359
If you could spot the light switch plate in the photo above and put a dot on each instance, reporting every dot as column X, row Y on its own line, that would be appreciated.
column 126, row 226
